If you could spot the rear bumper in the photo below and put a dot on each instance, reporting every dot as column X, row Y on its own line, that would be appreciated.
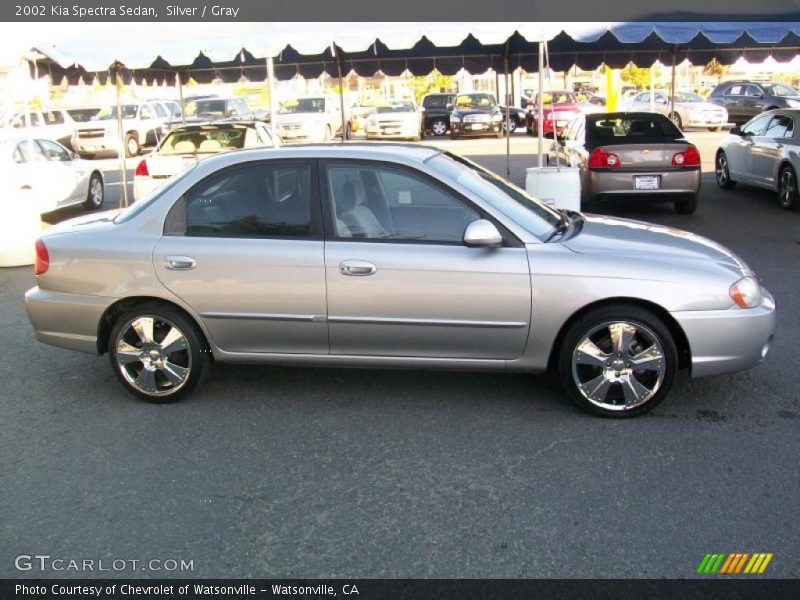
column 621, row 184
column 66, row 320
column 726, row 341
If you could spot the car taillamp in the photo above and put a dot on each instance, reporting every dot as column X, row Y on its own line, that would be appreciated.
column 141, row 169
column 746, row 292
column 688, row 158
column 42, row 261
column 599, row 158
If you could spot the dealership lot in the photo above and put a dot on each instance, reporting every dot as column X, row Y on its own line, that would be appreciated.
column 323, row 473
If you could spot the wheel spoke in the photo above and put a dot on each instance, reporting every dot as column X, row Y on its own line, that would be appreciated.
column 173, row 341
column 127, row 354
column 622, row 336
column 589, row 354
column 146, row 380
column 175, row 373
column 596, row 389
column 648, row 360
column 144, row 329
column 634, row 391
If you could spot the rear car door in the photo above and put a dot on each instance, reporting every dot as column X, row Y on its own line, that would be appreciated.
column 732, row 99
column 752, row 101
column 244, row 249
column 401, row 282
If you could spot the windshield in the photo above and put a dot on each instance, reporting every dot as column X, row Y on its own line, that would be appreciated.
column 395, row 107
column 780, row 89
column 558, row 98
column 303, row 105
column 475, row 101
column 687, row 97
column 208, row 140
column 110, row 112
column 140, row 205
column 516, row 204
column 212, row 108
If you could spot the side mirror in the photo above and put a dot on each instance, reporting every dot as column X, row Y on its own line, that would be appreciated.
column 735, row 131
column 482, row 234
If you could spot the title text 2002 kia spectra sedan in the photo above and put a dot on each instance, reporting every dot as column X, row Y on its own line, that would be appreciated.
column 391, row 256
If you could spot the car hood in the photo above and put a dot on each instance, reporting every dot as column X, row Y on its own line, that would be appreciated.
column 627, row 238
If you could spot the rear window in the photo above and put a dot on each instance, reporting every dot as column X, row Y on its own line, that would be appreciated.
column 630, row 129
column 436, row 101
column 207, row 140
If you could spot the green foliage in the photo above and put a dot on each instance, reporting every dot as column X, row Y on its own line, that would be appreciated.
column 427, row 84
column 636, row 76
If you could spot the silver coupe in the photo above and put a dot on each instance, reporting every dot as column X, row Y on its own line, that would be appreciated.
column 376, row 255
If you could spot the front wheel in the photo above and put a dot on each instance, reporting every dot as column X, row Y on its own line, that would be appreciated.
column 510, row 125
column 686, row 207
column 131, row 145
column 787, row 189
column 95, row 194
column 618, row 361
column 157, row 353
column 723, row 173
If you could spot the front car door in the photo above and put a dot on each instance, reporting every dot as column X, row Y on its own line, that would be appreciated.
column 740, row 149
column 71, row 182
column 244, row 249
column 732, row 99
column 400, row 280
column 768, row 149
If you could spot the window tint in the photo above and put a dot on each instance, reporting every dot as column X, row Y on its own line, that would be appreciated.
column 259, row 200
column 631, row 129
column 735, row 90
column 379, row 202
column 780, row 126
column 439, row 101
column 756, row 126
column 753, row 90
column 54, row 151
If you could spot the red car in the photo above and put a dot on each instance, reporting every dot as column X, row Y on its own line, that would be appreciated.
column 560, row 107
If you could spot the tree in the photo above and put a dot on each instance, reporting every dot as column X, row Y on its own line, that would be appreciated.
column 636, row 76
column 715, row 69
column 435, row 82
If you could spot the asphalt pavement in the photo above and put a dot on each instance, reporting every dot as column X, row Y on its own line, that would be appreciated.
column 299, row 472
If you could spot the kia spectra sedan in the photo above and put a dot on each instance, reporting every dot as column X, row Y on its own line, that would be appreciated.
column 375, row 255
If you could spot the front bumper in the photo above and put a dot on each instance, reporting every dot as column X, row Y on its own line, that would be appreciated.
column 477, row 129
column 94, row 145
column 66, row 320
column 726, row 341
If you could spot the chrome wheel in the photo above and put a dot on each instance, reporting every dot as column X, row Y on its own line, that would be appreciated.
column 722, row 170
column 787, row 189
column 439, row 127
column 96, row 192
column 618, row 365
column 132, row 146
column 152, row 355
column 511, row 125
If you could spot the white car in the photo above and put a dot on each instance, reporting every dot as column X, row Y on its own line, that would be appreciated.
column 398, row 120
column 690, row 109
column 186, row 145
column 53, row 175
column 54, row 124
column 309, row 119
column 144, row 125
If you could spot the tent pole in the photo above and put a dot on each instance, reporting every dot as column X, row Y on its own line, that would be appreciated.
column 672, row 84
column 180, row 93
column 508, row 129
column 540, row 107
column 123, row 175
column 273, row 104
column 652, row 89
column 341, row 98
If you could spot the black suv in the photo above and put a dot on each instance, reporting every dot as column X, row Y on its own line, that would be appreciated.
column 746, row 99
column 476, row 114
column 436, row 115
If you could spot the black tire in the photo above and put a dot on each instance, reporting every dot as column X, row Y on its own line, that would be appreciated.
column 132, row 147
column 787, row 189
column 194, row 355
column 722, row 172
column 439, row 127
column 95, row 194
column 647, row 325
column 686, row 207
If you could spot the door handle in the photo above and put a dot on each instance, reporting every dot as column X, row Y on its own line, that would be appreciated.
column 180, row 263
column 359, row 268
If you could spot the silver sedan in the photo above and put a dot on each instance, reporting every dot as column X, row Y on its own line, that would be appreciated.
column 765, row 153
column 391, row 256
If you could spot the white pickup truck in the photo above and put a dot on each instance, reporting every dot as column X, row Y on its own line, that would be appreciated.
column 144, row 124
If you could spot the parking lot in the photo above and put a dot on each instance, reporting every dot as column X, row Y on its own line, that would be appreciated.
column 290, row 472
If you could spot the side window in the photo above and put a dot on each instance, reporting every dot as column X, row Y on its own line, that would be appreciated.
column 643, row 97
column 781, row 126
column 258, row 200
column 753, row 90
column 54, row 151
column 239, row 107
column 53, row 117
column 28, row 152
column 264, row 134
column 20, row 122
column 735, row 90
column 756, row 126
column 161, row 112
column 146, row 112
column 377, row 202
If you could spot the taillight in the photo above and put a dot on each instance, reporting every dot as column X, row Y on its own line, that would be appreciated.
column 42, row 262
column 600, row 158
column 141, row 170
column 688, row 158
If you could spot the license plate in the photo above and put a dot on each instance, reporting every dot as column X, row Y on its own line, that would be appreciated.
column 477, row 127
column 647, row 182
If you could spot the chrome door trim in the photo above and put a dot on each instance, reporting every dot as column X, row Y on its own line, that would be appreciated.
column 264, row 317
column 428, row 322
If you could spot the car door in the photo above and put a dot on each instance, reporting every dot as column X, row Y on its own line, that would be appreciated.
column 70, row 182
column 751, row 103
column 767, row 149
column 732, row 99
column 244, row 250
column 401, row 282
column 740, row 148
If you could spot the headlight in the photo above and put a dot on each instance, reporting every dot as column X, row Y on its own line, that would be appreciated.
column 793, row 103
column 497, row 118
column 746, row 292
column 455, row 119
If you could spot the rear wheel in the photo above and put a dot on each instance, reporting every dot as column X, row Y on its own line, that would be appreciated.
column 131, row 145
column 787, row 189
column 723, row 173
column 157, row 353
column 686, row 207
column 618, row 361
column 95, row 194
column 439, row 127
